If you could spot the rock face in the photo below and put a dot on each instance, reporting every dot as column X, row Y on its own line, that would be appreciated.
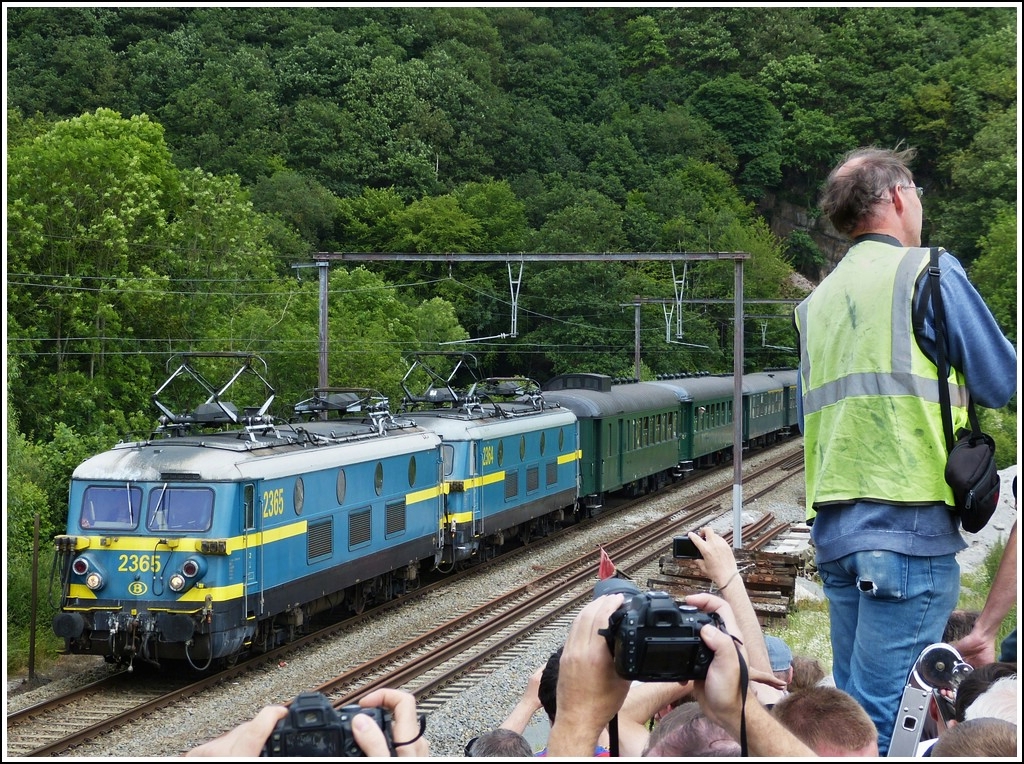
column 785, row 217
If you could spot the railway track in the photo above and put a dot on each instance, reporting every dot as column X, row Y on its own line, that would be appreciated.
column 435, row 664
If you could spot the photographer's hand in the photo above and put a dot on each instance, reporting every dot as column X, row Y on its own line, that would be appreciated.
column 709, row 603
column 406, row 731
column 590, row 692
column 247, row 739
column 717, row 560
column 720, row 696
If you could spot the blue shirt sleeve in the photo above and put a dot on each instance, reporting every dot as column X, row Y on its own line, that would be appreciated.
column 974, row 342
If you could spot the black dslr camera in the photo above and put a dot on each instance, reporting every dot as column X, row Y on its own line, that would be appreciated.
column 655, row 639
column 314, row 727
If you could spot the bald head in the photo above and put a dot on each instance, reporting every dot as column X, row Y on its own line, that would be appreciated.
column 863, row 195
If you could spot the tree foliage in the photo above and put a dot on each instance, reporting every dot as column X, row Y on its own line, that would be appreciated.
column 172, row 173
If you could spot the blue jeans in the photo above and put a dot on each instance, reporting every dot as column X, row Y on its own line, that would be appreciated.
column 885, row 608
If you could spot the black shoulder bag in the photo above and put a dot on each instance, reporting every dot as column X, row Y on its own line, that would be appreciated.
column 971, row 466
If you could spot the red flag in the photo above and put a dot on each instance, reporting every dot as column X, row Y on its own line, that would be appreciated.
column 606, row 568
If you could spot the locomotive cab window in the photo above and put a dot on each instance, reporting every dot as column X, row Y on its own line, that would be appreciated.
column 180, row 509
column 249, row 502
column 110, row 507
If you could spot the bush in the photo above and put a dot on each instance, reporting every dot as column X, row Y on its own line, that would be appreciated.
column 19, row 612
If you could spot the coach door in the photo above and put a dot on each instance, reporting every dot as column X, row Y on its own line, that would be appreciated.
column 252, row 514
column 474, row 494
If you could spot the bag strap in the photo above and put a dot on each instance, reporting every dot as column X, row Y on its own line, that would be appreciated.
column 940, row 352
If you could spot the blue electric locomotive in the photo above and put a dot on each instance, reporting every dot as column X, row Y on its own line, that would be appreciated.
column 206, row 539
column 509, row 459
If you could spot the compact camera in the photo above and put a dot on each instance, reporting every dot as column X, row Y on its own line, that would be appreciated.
column 655, row 639
column 685, row 549
column 314, row 727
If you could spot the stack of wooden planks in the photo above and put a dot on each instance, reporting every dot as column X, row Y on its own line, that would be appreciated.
column 769, row 577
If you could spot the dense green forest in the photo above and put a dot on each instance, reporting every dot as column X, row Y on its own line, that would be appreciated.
column 172, row 173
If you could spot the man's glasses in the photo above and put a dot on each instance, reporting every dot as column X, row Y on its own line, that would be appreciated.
column 469, row 745
column 918, row 189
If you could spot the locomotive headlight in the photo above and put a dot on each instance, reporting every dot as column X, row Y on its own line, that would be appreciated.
column 94, row 580
column 177, row 582
column 194, row 567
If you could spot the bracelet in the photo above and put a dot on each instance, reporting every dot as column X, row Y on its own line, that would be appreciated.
column 423, row 728
column 722, row 588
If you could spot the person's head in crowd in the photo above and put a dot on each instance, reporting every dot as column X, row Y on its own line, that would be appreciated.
column 978, row 681
column 780, row 656
column 686, row 731
column 829, row 721
column 959, row 625
column 500, row 742
column 981, row 739
column 807, row 672
column 547, row 690
column 999, row 701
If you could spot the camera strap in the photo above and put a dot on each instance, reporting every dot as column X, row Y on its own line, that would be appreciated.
column 744, row 681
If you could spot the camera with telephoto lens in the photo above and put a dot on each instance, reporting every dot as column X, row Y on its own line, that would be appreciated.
column 314, row 727
column 655, row 639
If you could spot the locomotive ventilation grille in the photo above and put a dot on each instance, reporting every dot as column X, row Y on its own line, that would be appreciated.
column 511, row 484
column 394, row 518
column 319, row 539
column 359, row 528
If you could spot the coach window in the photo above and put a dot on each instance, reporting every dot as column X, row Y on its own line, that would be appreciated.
column 299, row 495
column 412, row 471
column 378, row 478
column 522, row 448
column 341, row 486
column 501, row 452
column 561, row 440
column 542, row 444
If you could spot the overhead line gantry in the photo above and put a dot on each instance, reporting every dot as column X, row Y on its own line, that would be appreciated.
column 322, row 261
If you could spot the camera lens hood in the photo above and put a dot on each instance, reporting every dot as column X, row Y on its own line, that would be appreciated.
column 615, row 585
